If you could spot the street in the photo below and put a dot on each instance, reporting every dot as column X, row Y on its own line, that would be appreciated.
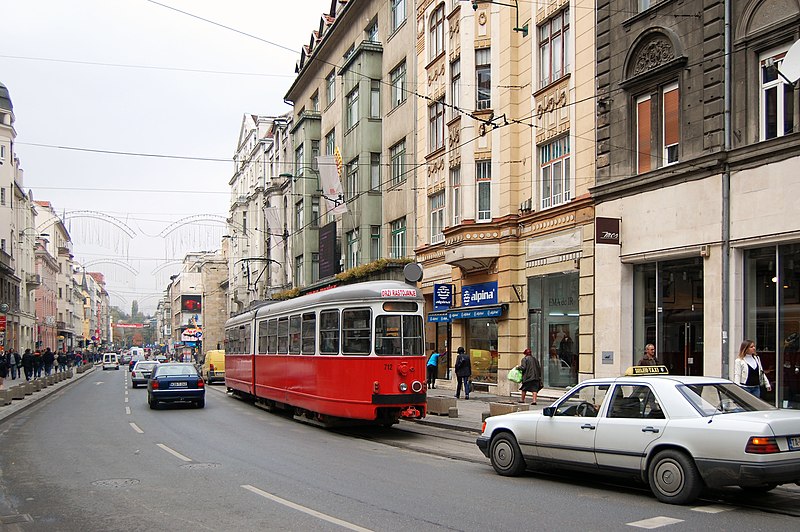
column 94, row 457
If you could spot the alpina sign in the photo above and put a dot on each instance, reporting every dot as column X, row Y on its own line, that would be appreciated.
column 607, row 231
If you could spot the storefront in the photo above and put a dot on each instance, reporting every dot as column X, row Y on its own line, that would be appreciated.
column 772, row 317
column 553, row 318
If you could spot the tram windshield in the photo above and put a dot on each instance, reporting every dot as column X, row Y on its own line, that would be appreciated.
column 398, row 335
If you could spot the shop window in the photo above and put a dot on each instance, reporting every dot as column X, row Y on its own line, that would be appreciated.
column 482, row 349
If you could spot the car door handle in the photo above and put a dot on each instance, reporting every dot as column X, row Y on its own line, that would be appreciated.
column 587, row 426
column 651, row 429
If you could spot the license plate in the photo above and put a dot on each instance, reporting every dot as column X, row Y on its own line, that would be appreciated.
column 177, row 385
column 794, row 443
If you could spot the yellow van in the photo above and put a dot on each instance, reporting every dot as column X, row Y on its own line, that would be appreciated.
column 214, row 366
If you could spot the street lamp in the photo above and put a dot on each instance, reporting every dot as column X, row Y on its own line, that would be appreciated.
column 23, row 232
column 515, row 5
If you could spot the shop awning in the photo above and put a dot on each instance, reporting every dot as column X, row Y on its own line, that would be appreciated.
column 465, row 313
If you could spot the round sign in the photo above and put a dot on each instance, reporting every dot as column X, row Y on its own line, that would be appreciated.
column 4, row 307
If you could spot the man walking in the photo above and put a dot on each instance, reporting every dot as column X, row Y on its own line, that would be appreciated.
column 649, row 358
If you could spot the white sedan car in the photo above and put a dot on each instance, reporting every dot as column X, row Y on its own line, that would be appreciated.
column 678, row 434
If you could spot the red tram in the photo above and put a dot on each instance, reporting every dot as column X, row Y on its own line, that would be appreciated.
column 354, row 352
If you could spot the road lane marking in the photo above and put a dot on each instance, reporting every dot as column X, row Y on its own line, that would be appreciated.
column 135, row 427
column 712, row 509
column 174, row 452
column 128, row 410
column 126, row 399
column 655, row 522
column 305, row 510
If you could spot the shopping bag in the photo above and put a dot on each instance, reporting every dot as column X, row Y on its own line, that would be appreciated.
column 515, row 375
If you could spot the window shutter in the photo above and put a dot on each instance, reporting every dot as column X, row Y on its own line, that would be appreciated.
column 671, row 127
column 643, row 135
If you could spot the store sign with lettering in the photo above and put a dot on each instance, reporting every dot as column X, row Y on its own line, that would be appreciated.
column 479, row 294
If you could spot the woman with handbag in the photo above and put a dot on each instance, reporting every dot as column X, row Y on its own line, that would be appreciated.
column 747, row 370
column 531, row 376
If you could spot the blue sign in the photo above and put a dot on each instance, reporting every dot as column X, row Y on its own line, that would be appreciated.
column 482, row 313
column 442, row 296
column 479, row 294
column 438, row 318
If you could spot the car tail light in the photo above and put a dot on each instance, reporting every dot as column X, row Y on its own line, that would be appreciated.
column 155, row 385
column 201, row 383
column 761, row 445
column 211, row 367
column 483, row 427
column 133, row 373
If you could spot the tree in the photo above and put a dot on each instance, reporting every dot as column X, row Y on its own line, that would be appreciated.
column 134, row 309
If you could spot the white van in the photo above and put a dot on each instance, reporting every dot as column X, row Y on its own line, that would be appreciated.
column 110, row 361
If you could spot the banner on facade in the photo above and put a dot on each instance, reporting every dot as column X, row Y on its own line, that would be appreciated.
column 330, row 181
column 479, row 294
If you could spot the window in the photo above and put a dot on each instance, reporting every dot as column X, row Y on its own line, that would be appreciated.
column 329, row 332
column 584, row 402
column 777, row 99
column 436, row 125
column 554, row 168
column 371, row 33
column 294, row 334
column 375, row 242
column 2, row 153
column 374, row 98
column 349, row 53
column 483, row 78
column 309, row 333
column 436, row 32
column 455, row 192
column 398, row 335
column 2, row 244
column 375, row 171
column 351, row 189
column 244, row 223
column 315, row 102
column 314, row 267
column 657, row 128
column 298, row 215
column 398, row 245
column 644, row 5
column 352, row 248
column 283, row 336
column 298, row 161
column 397, row 155
column 398, row 81
column 455, row 86
column 352, row 108
column 437, row 204
column 2, row 196
column 298, row 271
column 356, row 331
column 483, row 175
column 330, row 142
column 397, row 13
column 314, row 154
column 554, row 51
column 330, row 87
column 315, row 212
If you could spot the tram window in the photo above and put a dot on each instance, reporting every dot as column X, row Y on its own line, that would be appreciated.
column 387, row 335
column 247, row 337
column 412, row 335
column 272, row 336
column 294, row 335
column 262, row 336
column 356, row 331
column 283, row 336
column 309, row 332
column 400, row 306
column 329, row 332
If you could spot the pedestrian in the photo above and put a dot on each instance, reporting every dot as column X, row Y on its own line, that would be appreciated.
column 28, row 364
column 16, row 365
column 62, row 361
column 37, row 364
column 3, row 368
column 649, row 358
column 748, row 371
column 531, row 375
column 48, row 357
column 463, row 373
column 433, row 369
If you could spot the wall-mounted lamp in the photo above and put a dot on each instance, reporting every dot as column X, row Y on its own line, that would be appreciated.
column 515, row 5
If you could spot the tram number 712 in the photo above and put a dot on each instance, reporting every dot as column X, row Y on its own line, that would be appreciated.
column 387, row 367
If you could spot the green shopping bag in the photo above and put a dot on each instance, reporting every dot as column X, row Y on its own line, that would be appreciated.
column 515, row 375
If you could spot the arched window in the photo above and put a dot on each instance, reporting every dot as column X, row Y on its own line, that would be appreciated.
column 436, row 35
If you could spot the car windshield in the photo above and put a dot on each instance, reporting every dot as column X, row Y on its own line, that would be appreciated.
column 722, row 398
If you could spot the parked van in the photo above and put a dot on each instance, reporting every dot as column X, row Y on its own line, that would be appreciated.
column 110, row 361
column 213, row 369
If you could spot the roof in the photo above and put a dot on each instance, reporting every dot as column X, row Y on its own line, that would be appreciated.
column 5, row 99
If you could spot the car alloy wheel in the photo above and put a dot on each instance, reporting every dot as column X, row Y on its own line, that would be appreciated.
column 506, row 455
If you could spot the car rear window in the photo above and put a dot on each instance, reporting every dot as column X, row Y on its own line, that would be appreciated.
column 173, row 371
column 721, row 398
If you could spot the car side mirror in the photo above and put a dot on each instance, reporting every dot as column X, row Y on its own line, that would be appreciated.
column 549, row 411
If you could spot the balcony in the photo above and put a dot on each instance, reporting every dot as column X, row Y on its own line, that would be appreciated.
column 33, row 280
column 6, row 262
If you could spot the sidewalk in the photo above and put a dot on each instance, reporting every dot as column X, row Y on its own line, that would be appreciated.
column 470, row 411
column 18, row 405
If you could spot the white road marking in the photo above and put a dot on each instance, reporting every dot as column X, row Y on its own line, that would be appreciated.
column 135, row 427
column 712, row 509
column 655, row 522
column 128, row 410
column 305, row 510
column 174, row 453
column 98, row 383
column 126, row 399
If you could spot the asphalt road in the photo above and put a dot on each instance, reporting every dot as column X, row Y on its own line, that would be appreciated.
column 94, row 457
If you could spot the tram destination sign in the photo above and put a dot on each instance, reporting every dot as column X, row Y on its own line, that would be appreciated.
column 401, row 292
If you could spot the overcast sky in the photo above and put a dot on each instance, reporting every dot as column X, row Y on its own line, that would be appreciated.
column 88, row 77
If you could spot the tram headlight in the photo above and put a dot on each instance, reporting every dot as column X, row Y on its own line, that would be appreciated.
column 403, row 387
column 416, row 386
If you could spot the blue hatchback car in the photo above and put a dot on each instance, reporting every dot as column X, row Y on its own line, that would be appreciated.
column 176, row 383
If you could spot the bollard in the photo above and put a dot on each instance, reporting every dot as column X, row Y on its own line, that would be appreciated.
column 452, row 412
column 18, row 391
column 5, row 397
column 69, row 373
column 29, row 388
